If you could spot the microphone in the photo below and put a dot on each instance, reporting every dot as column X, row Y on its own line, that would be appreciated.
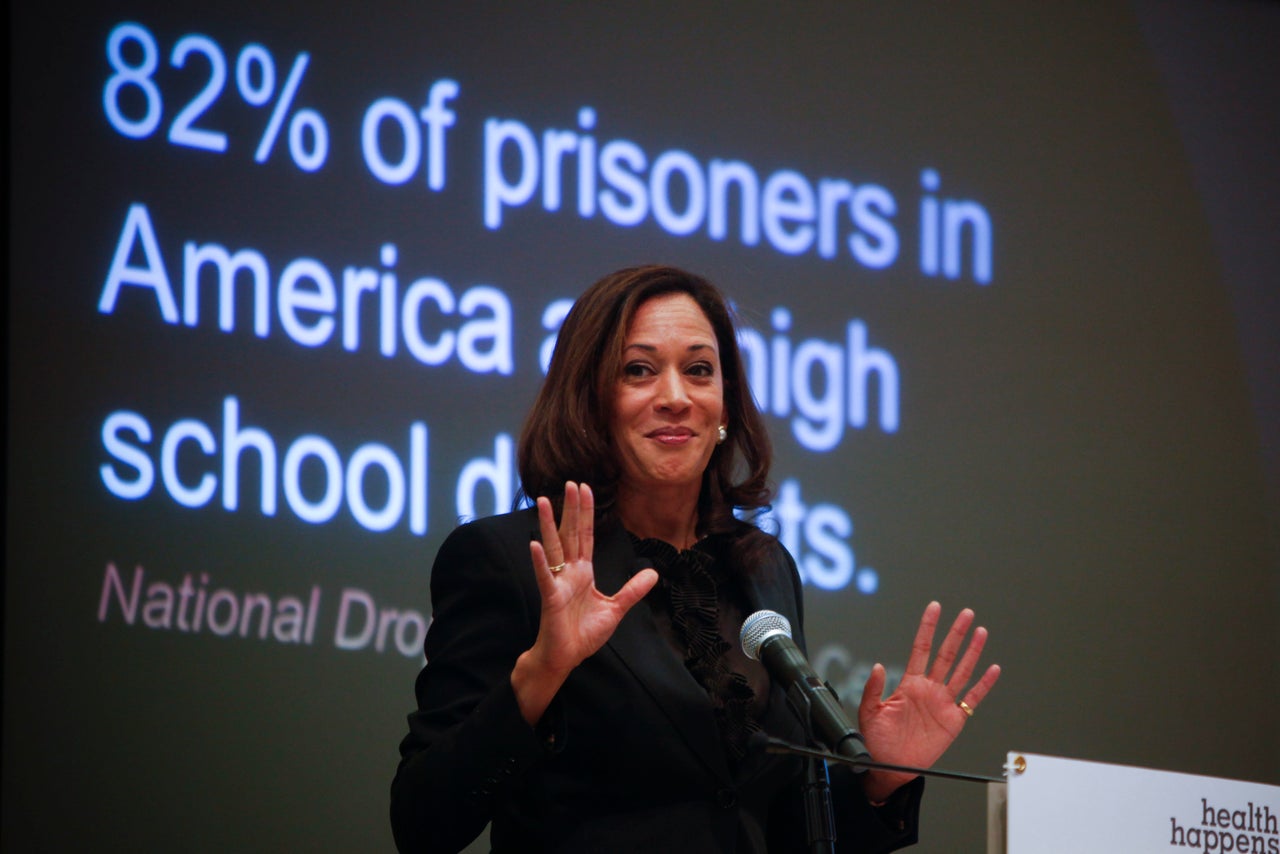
column 766, row 637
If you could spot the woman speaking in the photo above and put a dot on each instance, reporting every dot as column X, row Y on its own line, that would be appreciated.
column 584, row 688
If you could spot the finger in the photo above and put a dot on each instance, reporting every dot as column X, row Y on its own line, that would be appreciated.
column 550, row 545
column 634, row 590
column 923, row 644
column 979, row 692
column 968, row 661
column 586, row 522
column 951, row 645
column 569, row 522
column 873, row 691
column 541, row 571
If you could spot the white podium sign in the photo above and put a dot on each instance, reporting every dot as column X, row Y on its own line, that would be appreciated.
column 1067, row 806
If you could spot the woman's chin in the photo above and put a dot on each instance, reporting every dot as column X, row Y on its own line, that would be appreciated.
column 667, row 480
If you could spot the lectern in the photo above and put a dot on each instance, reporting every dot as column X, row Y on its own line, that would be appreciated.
column 1051, row 805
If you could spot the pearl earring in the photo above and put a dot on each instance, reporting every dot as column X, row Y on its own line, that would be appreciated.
column 722, row 434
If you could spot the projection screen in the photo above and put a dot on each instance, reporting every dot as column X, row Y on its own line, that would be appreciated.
column 283, row 279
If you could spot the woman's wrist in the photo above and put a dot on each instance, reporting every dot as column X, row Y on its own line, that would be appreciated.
column 535, row 686
column 879, row 786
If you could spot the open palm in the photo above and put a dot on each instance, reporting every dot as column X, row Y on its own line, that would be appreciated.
column 923, row 716
column 576, row 618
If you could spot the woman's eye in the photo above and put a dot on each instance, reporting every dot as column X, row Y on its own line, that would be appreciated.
column 635, row 369
column 702, row 369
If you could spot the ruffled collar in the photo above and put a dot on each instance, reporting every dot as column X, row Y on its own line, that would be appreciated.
column 691, row 580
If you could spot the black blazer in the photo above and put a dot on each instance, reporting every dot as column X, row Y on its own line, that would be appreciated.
column 628, row 756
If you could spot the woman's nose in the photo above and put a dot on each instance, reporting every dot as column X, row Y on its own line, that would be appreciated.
column 672, row 393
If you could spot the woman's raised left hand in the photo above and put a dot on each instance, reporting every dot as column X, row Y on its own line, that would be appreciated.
column 930, row 706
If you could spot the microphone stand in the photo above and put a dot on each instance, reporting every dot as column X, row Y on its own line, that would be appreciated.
column 819, row 816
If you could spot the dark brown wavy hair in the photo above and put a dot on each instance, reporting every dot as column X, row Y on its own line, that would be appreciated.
column 567, row 435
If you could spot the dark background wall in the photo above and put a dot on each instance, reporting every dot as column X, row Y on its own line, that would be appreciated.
column 1078, row 440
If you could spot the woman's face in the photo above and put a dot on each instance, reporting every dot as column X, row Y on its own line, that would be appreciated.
column 669, row 400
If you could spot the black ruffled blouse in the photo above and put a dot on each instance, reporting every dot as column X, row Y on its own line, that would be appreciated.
column 699, row 614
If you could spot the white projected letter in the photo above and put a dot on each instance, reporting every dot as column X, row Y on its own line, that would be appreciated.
column 127, row 454
column 498, row 472
column 321, row 511
column 497, row 191
column 411, row 321
column 872, row 207
column 384, row 458
column 821, row 420
column 398, row 111
column 292, row 297
column 436, row 116
column 788, row 198
column 194, row 257
column 198, row 495
column 614, row 158
column 495, row 329
column 864, row 361
column 660, row 192
column 137, row 226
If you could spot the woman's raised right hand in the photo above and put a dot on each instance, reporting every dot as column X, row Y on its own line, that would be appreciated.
column 577, row 618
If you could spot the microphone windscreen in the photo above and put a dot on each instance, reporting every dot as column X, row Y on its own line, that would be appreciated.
column 759, row 627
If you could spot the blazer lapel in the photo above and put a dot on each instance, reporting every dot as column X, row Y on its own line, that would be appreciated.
column 643, row 651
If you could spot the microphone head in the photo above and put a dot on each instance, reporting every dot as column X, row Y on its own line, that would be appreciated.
column 759, row 627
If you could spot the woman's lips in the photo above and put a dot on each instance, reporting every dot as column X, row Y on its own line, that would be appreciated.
column 672, row 435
